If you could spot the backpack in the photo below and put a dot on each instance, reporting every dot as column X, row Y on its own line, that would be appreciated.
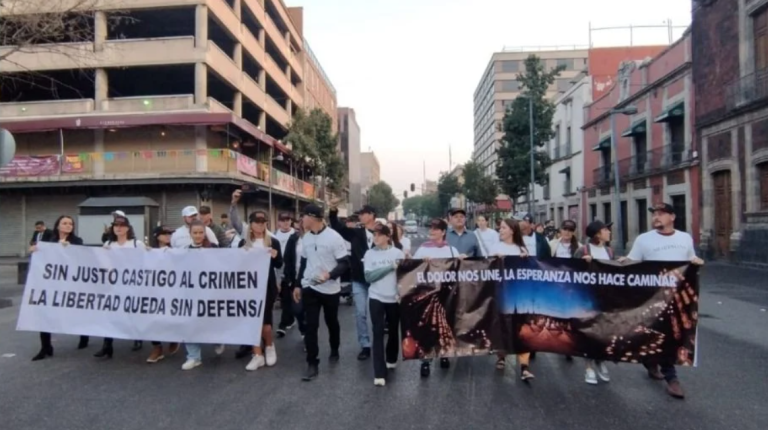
column 608, row 249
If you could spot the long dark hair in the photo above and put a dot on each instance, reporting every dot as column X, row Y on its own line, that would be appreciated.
column 130, row 235
column 395, row 238
column 517, row 234
column 56, row 233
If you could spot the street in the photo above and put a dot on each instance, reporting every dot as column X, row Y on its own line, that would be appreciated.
column 75, row 391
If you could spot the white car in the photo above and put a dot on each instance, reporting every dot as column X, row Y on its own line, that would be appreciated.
column 411, row 227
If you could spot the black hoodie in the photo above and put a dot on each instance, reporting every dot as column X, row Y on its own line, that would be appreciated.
column 359, row 239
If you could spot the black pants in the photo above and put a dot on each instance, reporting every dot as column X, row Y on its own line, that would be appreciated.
column 291, row 311
column 329, row 304
column 45, row 339
column 384, row 314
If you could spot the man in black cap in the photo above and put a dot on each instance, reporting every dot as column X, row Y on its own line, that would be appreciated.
column 535, row 242
column 361, row 240
column 664, row 243
column 458, row 236
column 323, row 261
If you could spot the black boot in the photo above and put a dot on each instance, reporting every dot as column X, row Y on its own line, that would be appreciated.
column 137, row 345
column 364, row 354
column 444, row 363
column 243, row 351
column 312, row 372
column 45, row 351
column 106, row 350
column 425, row 369
column 83, row 342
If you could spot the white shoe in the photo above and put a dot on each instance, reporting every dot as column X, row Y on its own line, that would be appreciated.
column 379, row 382
column 191, row 364
column 256, row 362
column 391, row 365
column 219, row 349
column 590, row 377
column 271, row 355
column 602, row 372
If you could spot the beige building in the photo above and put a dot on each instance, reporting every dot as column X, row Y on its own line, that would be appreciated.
column 349, row 139
column 181, row 105
column 370, row 172
column 499, row 87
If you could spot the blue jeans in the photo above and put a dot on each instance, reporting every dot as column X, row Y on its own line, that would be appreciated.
column 194, row 351
column 360, row 295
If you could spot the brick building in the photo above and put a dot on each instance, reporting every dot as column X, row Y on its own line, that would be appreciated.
column 656, row 152
column 730, row 62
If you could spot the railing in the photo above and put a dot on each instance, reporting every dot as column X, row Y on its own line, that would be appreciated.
column 747, row 89
column 561, row 151
column 603, row 175
column 655, row 161
column 182, row 162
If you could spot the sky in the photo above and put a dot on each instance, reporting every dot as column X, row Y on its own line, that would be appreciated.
column 409, row 68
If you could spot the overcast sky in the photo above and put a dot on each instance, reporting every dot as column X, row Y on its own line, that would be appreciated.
column 409, row 68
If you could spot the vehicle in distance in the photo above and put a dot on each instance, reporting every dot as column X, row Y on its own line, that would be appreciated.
column 411, row 227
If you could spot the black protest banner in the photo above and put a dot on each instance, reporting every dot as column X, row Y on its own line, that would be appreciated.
column 601, row 310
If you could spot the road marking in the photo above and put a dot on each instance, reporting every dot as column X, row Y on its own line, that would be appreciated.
column 8, row 355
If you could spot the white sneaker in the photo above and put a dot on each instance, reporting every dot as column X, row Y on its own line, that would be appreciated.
column 219, row 349
column 602, row 372
column 191, row 364
column 379, row 382
column 256, row 362
column 590, row 377
column 271, row 354
column 391, row 365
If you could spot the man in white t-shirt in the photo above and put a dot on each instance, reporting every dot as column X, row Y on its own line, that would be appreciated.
column 181, row 237
column 664, row 243
column 323, row 260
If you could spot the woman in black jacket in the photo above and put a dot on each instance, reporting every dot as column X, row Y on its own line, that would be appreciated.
column 63, row 233
column 257, row 236
column 291, row 311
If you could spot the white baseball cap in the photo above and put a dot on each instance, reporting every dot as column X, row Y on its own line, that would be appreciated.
column 118, row 213
column 189, row 211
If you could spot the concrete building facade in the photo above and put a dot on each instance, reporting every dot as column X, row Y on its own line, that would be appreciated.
column 370, row 171
column 349, row 139
column 657, row 154
column 498, row 87
column 183, row 104
column 730, row 74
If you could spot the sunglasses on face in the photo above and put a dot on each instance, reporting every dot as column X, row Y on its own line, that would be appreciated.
column 571, row 229
column 259, row 221
column 119, row 224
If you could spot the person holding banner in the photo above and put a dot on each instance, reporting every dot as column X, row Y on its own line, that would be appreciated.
column 257, row 237
column 380, row 263
column 598, row 248
column 162, row 240
column 436, row 247
column 122, row 236
column 323, row 261
column 511, row 243
column 664, row 243
column 567, row 244
column 486, row 237
column 64, row 233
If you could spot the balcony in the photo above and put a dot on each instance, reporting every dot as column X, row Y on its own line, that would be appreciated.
column 746, row 90
column 187, row 163
column 603, row 175
column 655, row 161
column 562, row 151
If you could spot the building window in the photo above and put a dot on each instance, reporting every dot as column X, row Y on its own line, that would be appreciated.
column 568, row 141
column 510, row 85
column 606, row 213
column 641, row 153
column 592, row 212
column 680, row 210
column 677, row 140
column 642, row 216
column 760, row 31
column 567, row 62
column 510, row 66
column 567, row 184
column 762, row 170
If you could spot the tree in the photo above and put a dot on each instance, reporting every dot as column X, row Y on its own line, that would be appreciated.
column 423, row 205
column 48, row 28
column 380, row 196
column 447, row 187
column 314, row 145
column 479, row 187
column 514, row 166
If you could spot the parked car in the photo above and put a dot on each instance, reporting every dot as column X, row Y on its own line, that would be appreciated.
column 411, row 227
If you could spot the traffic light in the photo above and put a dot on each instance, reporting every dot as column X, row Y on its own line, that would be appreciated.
column 405, row 194
column 413, row 187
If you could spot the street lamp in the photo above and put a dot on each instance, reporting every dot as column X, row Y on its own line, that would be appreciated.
column 626, row 110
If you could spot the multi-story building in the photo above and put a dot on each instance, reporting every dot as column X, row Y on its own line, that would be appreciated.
column 499, row 87
column 566, row 174
column 430, row 187
column 730, row 74
column 656, row 154
column 370, row 171
column 349, row 139
column 180, row 105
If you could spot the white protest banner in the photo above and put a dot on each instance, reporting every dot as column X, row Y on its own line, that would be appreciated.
column 172, row 295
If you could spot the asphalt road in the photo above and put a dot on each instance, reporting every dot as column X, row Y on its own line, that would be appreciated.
column 75, row 391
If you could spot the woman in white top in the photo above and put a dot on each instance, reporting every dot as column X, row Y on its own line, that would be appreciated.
column 123, row 237
column 597, row 247
column 486, row 237
column 436, row 247
column 379, row 264
column 566, row 244
column 399, row 238
column 511, row 243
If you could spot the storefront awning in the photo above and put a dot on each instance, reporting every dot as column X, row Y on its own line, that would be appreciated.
column 604, row 144
column 676, row 110
column 638, row 127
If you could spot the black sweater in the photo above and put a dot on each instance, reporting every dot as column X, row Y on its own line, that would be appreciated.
column 359, row 239
column 290, row 277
